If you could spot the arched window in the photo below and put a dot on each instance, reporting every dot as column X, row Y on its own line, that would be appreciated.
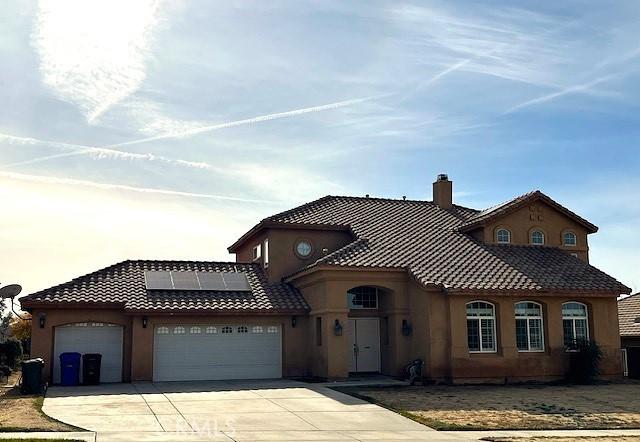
column 481, row 327
column 569, row 239
column 529, row 334
column 575, row 323
column 537, row 237
column 503, row 236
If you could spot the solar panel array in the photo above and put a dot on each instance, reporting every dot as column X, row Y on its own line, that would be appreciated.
column 212, row 281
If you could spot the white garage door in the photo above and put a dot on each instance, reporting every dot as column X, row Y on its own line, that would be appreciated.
column 91, row 337
column 212, row 352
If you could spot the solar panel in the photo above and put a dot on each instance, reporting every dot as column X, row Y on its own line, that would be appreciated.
column 236, row 281
column 211, row 281
column 185, row 281
column 158, row 280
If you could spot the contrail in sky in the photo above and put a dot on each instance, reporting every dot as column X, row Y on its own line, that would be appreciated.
column 108, row 186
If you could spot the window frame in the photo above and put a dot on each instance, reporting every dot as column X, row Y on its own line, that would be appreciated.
column 575, row 238
column 351, row 296
column 573, row 323
column 256, row 252
column 265, row 253
column 528, row 319
column 479, row 319
column 536, row 230
column 500, row 229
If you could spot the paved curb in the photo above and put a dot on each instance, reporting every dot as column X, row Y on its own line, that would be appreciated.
column 86, row 436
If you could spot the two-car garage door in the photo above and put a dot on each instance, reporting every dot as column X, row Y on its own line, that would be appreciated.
column 213, row 352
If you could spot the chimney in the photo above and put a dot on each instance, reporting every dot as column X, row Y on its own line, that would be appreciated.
column 443, row 192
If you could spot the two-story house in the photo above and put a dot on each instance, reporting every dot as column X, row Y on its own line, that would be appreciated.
column 346, row 285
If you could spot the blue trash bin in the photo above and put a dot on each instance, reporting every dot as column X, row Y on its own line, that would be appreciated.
column 70, row 369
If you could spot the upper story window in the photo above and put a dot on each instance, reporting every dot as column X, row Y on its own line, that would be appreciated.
column 569, row 239
column 257, row 251
column 303, row 248
column 363, row 298
column 265, row 249
column 503, row 236
column 481, row 327
column 575, row 323
column 529, row 335
column 537, row 237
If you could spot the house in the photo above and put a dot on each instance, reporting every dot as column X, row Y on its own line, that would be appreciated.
column 347, row 285
column 629, row 323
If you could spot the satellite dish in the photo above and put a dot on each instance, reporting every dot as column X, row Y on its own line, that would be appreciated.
column 10, row 291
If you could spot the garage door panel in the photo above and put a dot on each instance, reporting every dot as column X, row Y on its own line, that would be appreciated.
column 207, row 353
column 91, row 338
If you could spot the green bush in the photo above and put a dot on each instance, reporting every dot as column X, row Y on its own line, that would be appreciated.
column 584, row 364
column 10, row 352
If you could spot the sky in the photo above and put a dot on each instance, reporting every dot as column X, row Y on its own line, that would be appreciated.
column 165, row 129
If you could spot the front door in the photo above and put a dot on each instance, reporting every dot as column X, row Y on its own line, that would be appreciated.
column 364, row 344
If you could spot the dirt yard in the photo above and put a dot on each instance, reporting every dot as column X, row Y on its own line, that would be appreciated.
column 607, row 406
column 23, row 413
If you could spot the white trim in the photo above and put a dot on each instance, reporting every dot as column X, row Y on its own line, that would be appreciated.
column 527, row 318
column 573, row 321
column 625, row 362
column 498, row 230
column 479, row 318
column 541, row 233
column 575, row 237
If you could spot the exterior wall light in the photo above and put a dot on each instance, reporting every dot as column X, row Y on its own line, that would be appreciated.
column 145, row 322
column 294, row 321
column 41, row 319
column 406, row 328
column 337, row 328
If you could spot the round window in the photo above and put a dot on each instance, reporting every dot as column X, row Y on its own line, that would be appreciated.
column 303, row 248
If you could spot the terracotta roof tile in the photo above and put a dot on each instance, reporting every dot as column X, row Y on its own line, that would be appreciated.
column 628, row 311
column 123, row 285
column 426, row 239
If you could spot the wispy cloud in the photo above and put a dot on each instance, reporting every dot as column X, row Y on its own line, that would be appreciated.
column 110, row 186
column 576, row 88
column 94, row 53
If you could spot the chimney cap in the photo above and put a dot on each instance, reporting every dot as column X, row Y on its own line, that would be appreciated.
column 443, row 177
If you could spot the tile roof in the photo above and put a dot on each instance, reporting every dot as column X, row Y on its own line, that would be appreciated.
column 426, row 240
column 123, row 285
column 513, row 204
column 628, row 311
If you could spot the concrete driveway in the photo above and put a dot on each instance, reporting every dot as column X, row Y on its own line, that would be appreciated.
column 236, row 410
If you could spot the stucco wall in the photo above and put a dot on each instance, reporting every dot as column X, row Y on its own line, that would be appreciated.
column 545, row 218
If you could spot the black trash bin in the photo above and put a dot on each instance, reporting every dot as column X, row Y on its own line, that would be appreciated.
column 31, row 382
column 91, row 368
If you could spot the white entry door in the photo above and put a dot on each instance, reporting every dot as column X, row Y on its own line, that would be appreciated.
column 364, row 344
column 90, row 337
column 198, row 352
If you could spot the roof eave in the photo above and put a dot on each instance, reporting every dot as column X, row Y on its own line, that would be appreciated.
column 217, row 312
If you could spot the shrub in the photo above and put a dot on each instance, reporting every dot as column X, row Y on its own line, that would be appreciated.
column 10, row 352
column 5, row 371
column 584, row 364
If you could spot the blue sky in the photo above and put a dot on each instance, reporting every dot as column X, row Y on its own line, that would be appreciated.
column 165, row 129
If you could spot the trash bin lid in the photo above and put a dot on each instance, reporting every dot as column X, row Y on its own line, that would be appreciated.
column 34, row 361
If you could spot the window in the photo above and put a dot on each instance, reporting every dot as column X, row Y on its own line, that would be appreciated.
column 569, row 239
column 537, row 237
column 256, row 329
column 272, row 329
column 226, row 329
column 363, row 298
column 195, row 330
column 503, row 236
column 318, row 332
column 481, row 327
column 265, row 248
column 257, row 252
column 529, row 334
column 243, row 329
column 162, row 330
column 211, row 330
column 574, row 324
column 178, row 331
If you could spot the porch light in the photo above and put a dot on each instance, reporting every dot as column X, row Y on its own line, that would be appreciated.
column 41, row 319
column 145, row 321
column 337, row 328
column 406, row 328
column 294, row 321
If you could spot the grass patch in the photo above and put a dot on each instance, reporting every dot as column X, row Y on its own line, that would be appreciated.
column 522, row 407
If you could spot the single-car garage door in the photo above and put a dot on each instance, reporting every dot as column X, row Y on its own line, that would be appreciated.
column 91, row 337
column 212, row 352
